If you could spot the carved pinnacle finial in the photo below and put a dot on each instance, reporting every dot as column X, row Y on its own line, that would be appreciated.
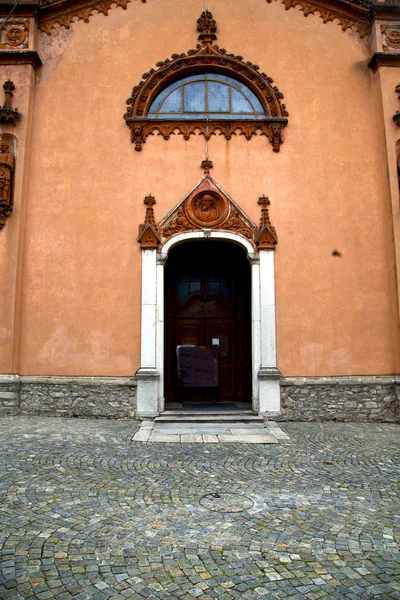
column 207, row 27
column 7, row 113
column 265, row 235
column 263, row 201
column 149, row 201
column 148, row 232
column 207, row 165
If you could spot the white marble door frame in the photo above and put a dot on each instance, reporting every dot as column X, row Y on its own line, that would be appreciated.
column 265, row 375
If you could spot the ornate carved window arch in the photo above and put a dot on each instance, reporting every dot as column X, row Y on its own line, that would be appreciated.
column 206, row 58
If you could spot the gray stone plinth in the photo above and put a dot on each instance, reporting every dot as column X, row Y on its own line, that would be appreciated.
column 109, row 397
column 339, row 399
column 9, row 395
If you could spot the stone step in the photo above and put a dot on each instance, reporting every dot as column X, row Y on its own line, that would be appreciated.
column 190, row 417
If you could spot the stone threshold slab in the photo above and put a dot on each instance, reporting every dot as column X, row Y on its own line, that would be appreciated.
column 210, row 433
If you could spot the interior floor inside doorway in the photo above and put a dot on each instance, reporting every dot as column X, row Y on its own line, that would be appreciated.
column 209, row 407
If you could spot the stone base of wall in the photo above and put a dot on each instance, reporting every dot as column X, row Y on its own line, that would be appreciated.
column 9, row 395
column 106, row 397
column 302, row 398
column 340, row 399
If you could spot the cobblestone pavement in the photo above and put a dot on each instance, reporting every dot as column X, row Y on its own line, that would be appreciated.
column 86, row 513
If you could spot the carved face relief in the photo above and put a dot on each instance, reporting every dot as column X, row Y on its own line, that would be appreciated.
column 390, row 38
column 206, row 209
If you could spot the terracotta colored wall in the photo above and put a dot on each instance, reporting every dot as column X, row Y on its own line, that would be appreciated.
column 328, row 185
column 12, row 235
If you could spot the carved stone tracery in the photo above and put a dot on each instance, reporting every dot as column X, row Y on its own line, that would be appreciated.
column 206, row 57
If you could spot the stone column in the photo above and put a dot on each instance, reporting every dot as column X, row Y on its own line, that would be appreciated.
column 161, row 260
column 148, row 375
column 268, row 374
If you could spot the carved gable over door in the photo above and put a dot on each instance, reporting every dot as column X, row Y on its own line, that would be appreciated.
column 207, row 207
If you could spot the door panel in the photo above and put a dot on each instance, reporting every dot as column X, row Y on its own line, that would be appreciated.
column 202, row 306
column 189, row 332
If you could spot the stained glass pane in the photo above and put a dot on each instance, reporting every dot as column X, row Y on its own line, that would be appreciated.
column 173, row 102
column 188, row 284
column 195, row 97
column 161, row 97
column 225, row 290
column 183, row 290
column 220, row 285
column 195, row 286
column 240, row 104
column 218, row 97
column 168, row 104
column 213, row 286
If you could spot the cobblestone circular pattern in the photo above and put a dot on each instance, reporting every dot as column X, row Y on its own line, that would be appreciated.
column 87, row 514
column 228, row 503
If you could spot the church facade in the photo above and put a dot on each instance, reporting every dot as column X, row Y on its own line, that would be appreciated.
column 199, row 205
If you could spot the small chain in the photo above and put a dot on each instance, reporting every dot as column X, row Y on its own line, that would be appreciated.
column 207, row 139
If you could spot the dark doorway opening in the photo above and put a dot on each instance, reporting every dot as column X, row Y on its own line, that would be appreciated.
column 208, row 303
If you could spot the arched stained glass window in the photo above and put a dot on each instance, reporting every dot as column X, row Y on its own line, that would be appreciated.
column 209, row 95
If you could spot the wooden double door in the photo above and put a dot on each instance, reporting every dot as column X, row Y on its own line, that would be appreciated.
column 208, row 303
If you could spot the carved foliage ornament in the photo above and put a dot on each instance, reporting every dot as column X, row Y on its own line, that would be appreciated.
column 350, row 14
column 206, row 208
column 61, row 13
column 206, row 57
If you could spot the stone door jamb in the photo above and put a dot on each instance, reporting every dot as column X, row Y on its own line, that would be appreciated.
column 265, row 375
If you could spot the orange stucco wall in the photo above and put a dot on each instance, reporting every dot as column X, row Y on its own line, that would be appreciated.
column 81, row 265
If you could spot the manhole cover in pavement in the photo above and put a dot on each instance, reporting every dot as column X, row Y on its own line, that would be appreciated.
column 226, row 502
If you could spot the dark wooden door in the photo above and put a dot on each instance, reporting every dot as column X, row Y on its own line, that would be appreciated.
column 208, row 302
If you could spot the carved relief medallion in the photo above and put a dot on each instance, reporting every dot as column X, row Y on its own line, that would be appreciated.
column 207, row 209
column 390, row 38
column 15, row 35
